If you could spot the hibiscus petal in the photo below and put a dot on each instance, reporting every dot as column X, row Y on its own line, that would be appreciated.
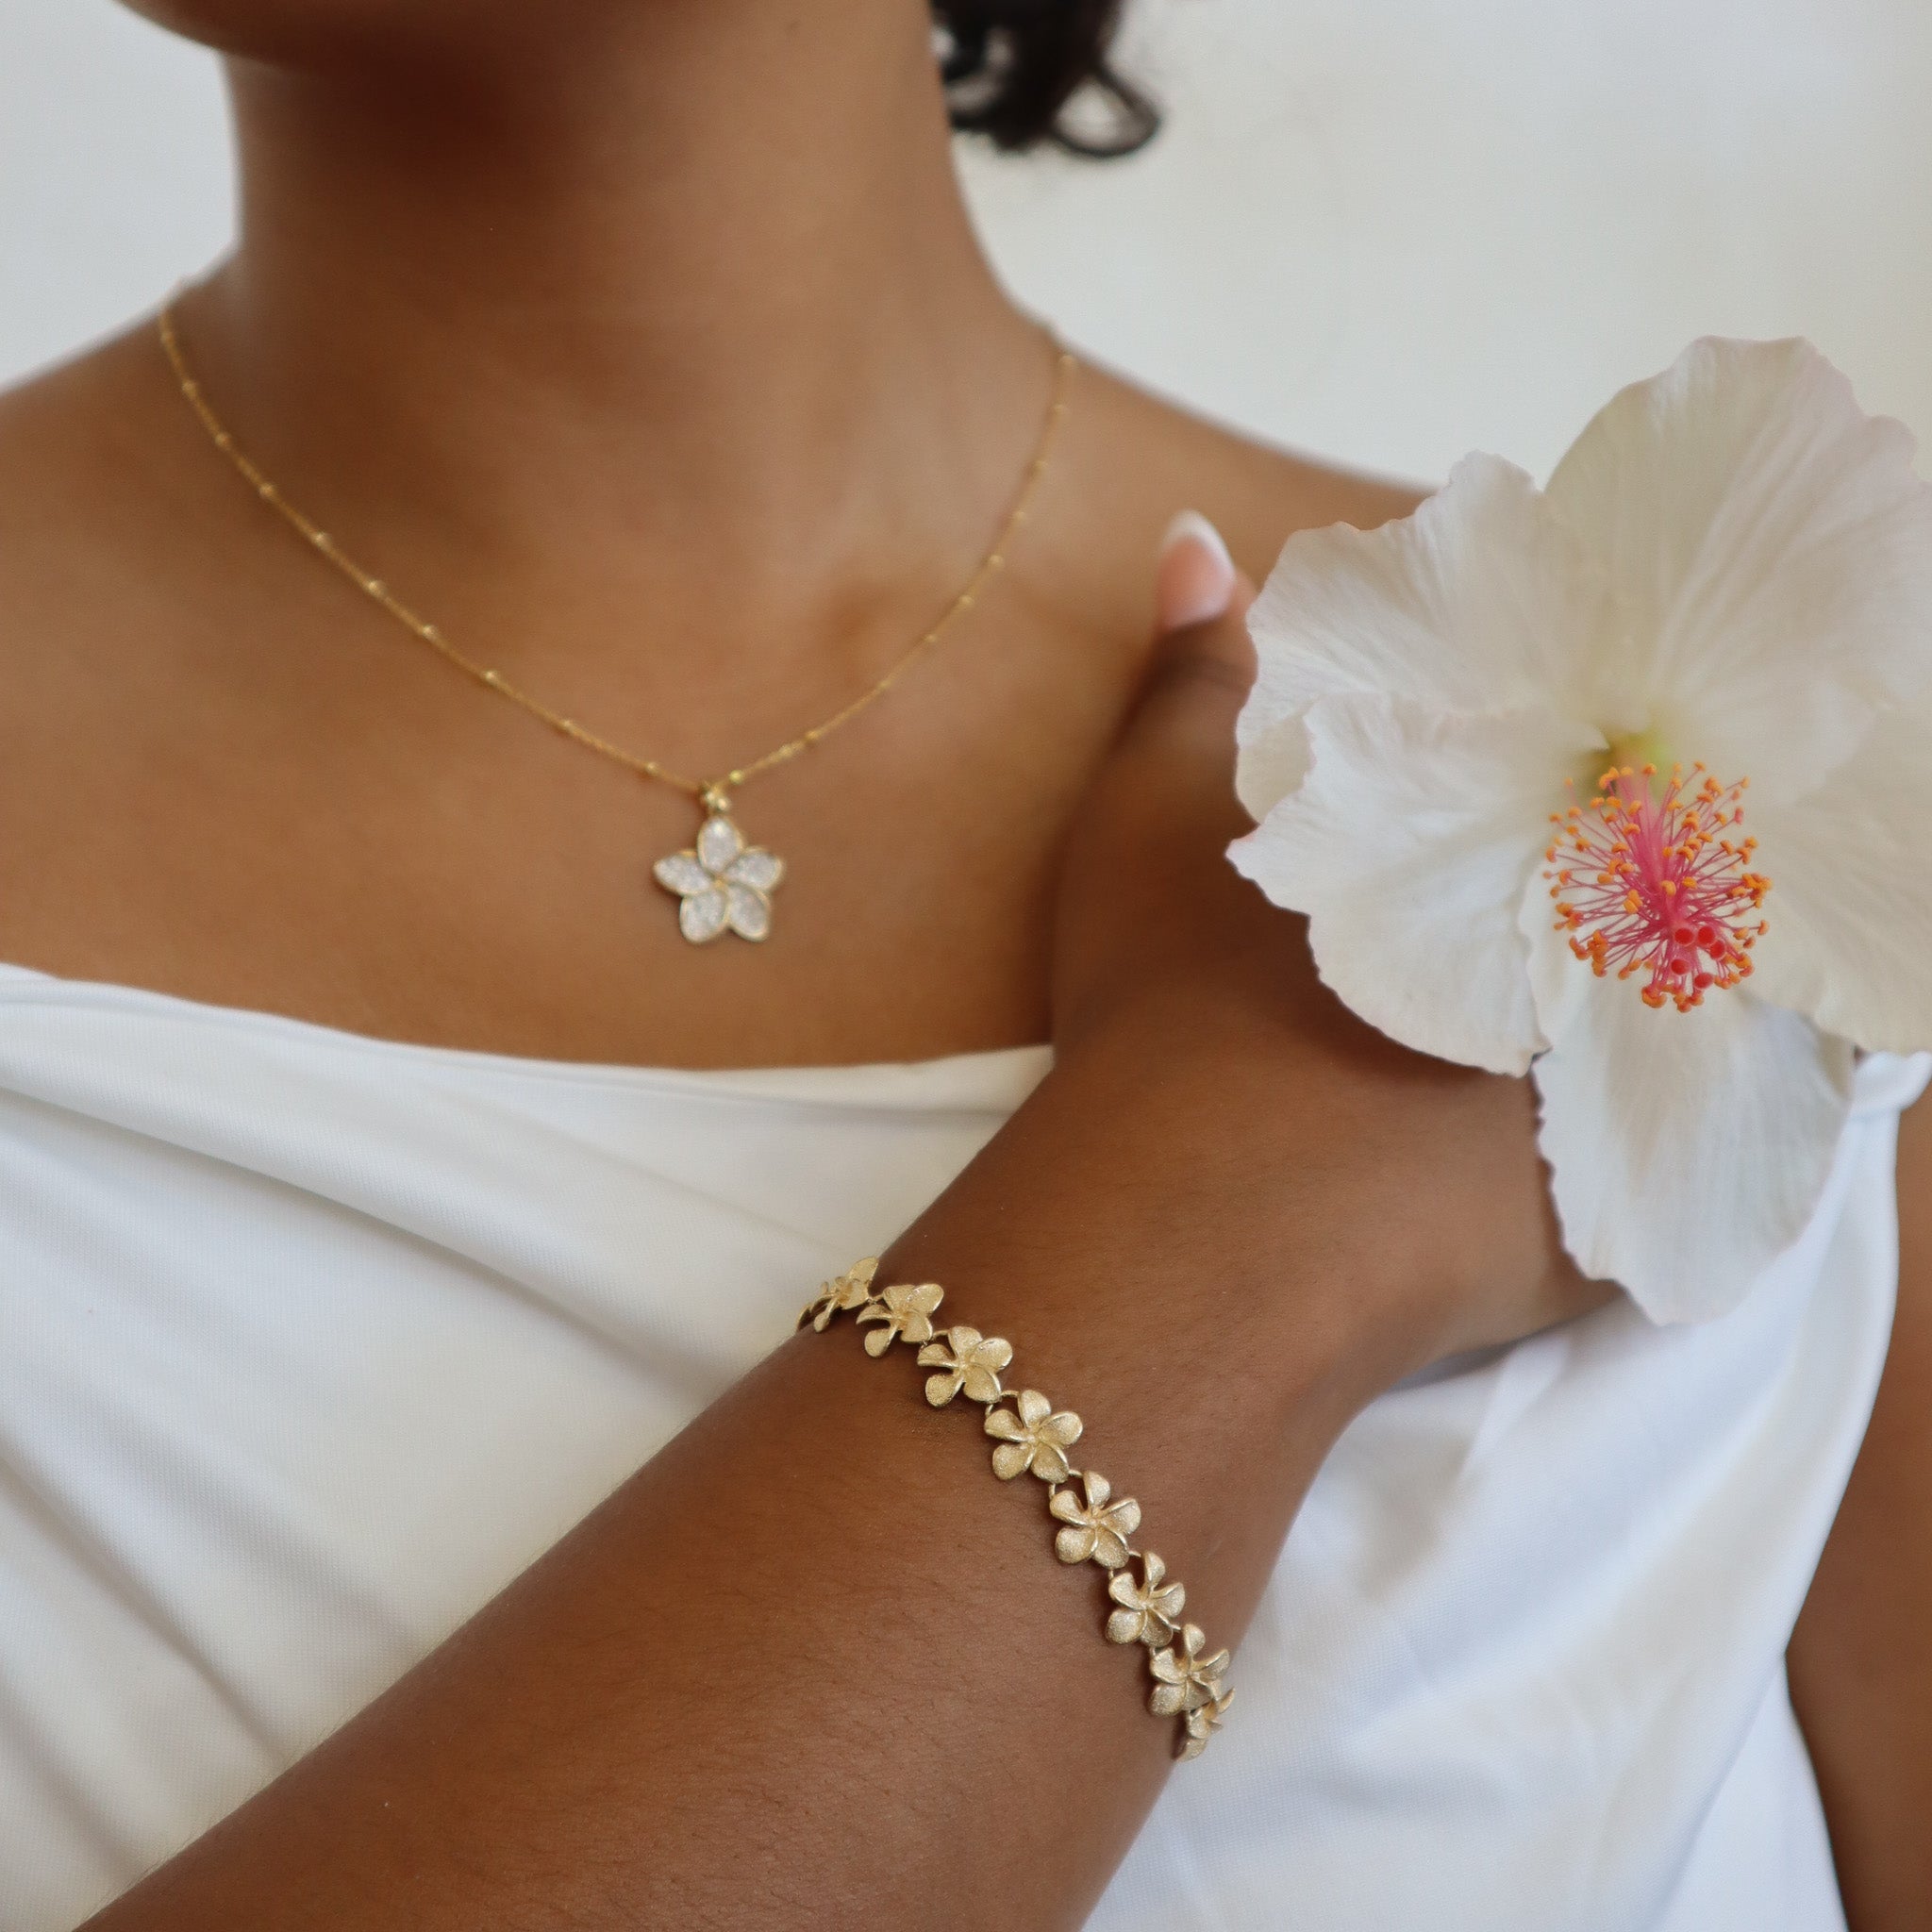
column 1850, row 908
column 1769, row 549
column 1408, row 847
column 1479, row 602
column 1688, row 1150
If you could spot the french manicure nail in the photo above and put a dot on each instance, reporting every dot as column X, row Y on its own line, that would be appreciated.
column 1194, row 577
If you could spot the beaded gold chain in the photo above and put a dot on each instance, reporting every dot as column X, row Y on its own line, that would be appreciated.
column 721, row 884
column 1034, row 1436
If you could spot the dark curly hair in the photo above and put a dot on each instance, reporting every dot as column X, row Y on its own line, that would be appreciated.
column 1013, row 68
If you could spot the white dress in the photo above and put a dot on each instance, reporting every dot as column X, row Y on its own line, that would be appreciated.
column 308, row 1343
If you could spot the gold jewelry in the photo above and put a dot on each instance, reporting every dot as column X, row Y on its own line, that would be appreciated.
column 1033, row 1436
column 721, row 884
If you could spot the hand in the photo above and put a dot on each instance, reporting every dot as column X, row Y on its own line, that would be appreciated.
column 1305, row 1122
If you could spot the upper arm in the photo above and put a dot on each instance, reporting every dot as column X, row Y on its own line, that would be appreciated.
column 1860, row 1659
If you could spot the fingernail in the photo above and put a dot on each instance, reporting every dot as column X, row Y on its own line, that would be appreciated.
column 1194, row 577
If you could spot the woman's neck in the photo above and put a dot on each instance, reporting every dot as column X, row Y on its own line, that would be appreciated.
column 697, row 289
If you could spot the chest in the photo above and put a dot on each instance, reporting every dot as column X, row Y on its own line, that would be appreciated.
column 381, row 846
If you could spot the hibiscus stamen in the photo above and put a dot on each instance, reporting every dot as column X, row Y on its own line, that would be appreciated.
column 1649, row 880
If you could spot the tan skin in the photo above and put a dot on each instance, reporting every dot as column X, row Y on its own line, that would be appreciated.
column 533, row 319
column 635, row 472
column 1860, row 1660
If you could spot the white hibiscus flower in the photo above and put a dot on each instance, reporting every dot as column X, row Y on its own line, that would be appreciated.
column 1496, row 752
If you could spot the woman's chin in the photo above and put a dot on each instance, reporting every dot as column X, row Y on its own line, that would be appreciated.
column 321, row 33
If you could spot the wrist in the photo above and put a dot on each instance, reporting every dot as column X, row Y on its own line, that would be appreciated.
column 1239, row 1184
column 1400, row 1200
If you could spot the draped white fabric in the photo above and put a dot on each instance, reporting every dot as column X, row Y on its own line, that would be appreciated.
column 308, row 1343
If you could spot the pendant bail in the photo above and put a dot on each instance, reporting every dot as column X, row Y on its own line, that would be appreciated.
column 714, row 798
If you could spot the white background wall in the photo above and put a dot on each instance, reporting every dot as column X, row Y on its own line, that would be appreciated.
column 1386, row 229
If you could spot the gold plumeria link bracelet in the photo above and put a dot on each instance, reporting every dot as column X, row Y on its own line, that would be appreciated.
column 1034, row 1436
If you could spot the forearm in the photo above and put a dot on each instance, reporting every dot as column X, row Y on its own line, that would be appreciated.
column 813, row 1664
column 1860, row 1659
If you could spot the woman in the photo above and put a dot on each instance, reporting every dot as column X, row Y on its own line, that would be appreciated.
column 364, row 1235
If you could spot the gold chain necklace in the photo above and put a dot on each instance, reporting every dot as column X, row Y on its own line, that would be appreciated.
column 721, row 884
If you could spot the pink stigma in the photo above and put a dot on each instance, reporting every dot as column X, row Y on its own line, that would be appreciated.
column 1659, row 884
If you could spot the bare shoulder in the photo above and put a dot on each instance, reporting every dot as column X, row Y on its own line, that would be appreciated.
column 88, row 420
column 109, row 620
column 90, row 505
column 1165, row 458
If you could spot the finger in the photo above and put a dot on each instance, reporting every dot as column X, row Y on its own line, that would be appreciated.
column 1177, row 754
column 1193, row 576
column 1146, row 865
column 1146, row 887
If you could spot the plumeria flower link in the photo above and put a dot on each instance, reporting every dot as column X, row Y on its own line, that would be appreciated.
column 1150, row 1610
column 1189, row 1681
column 1098, row 1529
column 1036, row 1439
column 1204, row 1722
column 721, row 883
column 846, row 1290
column 1496, row 752
column 907, row 1312
column 966, row 1360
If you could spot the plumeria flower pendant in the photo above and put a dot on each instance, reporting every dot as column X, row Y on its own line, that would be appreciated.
column 1498, row 751
column 722, row 885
